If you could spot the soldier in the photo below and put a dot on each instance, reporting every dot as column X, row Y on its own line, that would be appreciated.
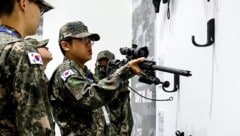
column 78, row 101
column 121, row 120
column 24, row 105
column 101, row 63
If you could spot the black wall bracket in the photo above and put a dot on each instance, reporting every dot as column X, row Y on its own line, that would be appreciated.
column 156, row 4
column 210, row 34
column 176, row 85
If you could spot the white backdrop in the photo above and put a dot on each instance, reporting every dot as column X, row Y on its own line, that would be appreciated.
column 209, row 103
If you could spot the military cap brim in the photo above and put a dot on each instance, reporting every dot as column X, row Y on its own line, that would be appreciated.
column 92, row 36
column 47, row 6
column 42, row 43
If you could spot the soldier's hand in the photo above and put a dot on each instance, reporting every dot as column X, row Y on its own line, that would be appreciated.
column 134, row 64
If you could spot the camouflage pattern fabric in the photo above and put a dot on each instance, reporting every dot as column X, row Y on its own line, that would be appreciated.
column 76, row 29
column 38, row 44
column 99, row 73
column 121, row 114
column 24, row 106
column 119, row 108
column 77, row 99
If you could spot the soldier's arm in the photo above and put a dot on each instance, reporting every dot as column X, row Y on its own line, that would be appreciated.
column 82, row 93
column 28, row 88
column 127, row 123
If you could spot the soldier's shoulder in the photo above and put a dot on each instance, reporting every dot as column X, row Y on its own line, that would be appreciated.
column 19, row 48
column 64, row 72
column 8, row 42
column 64, row 66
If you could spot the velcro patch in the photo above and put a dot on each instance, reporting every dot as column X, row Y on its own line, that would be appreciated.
column 35, row 58
column 66, row 74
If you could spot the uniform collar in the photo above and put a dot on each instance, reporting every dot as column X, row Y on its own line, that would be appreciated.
column 9, row 30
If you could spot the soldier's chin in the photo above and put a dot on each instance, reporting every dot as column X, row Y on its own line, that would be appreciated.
column 89, row 58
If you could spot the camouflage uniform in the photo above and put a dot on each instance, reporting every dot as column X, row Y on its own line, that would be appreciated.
column 119, row 108
column 78, row 101
column 24, row 106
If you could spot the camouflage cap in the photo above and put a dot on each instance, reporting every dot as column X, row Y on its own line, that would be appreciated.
column 42, row 43
column 37, row 43
column 105, row 54
column 47, row 6
column 76, row 29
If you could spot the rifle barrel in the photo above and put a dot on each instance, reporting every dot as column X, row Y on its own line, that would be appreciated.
column 172, row 70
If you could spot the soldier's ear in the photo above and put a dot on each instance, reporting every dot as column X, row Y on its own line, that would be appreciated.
column 64, row 45
column 23, row 4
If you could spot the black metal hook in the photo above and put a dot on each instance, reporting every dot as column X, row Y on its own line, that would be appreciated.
column 210, row 34
column 179, row 133
column 165, row 1
column 156, row 4
column 166, row 84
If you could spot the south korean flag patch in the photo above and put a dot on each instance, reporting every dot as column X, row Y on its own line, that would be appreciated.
column 66, row 74
column 35, row 58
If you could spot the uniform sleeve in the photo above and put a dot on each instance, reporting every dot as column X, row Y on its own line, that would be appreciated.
column 121, row 113
column 28, row 88
column 98, row 75
column 127, row 123
column 77, row 90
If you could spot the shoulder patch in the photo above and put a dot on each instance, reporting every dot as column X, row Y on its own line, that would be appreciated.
column 66, row 74
column 35, row 58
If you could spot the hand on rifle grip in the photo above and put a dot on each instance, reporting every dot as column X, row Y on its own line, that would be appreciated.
column 134, row 64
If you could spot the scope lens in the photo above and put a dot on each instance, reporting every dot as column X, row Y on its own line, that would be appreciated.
column 141, row 52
